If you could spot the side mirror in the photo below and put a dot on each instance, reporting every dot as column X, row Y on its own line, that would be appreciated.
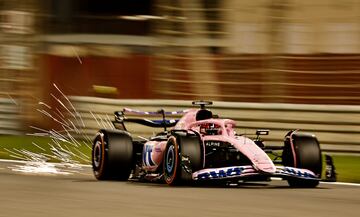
column 119, row 116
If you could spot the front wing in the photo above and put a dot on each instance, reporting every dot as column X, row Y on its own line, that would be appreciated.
column 238, row 172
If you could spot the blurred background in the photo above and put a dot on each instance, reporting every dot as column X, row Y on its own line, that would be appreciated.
column 292, row 52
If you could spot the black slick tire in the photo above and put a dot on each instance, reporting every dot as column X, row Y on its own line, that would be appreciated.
column 112, row 155
column 302, row 151
column 183, row 156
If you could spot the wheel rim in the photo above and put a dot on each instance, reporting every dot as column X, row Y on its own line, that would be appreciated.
column 170, row 160
column 97, row 154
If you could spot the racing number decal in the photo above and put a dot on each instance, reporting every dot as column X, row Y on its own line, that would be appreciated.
column 147, row 159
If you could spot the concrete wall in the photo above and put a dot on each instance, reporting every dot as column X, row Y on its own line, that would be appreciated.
column 337, row 127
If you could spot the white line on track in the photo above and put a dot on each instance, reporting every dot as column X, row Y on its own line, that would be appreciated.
column 328, row 183
column 274, row 178
column 24, row 162
column 341, row 183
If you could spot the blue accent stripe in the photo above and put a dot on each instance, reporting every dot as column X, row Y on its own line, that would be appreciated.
column 128, row 110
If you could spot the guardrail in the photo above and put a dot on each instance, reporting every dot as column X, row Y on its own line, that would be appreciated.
column 336, row 126
column 9, row 117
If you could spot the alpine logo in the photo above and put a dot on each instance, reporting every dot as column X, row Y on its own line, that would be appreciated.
column 212, row 144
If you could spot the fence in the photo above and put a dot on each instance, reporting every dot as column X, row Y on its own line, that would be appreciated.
column 337, row 127
column 9, row 117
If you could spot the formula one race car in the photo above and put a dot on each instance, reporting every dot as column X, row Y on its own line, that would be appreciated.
column 200, row 147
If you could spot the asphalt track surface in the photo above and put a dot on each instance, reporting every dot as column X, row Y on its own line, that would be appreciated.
column 81, row 195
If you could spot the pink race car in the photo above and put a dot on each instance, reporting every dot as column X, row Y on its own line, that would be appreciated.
column 201, row 147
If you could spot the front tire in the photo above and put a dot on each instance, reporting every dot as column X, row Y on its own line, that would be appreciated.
column 183, row 156
column 302, row 151
column 112, row 155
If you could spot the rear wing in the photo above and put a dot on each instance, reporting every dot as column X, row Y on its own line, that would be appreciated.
column 159, row 112
column 120, row 118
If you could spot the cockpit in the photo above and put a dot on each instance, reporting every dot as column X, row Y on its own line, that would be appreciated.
column 210, row 129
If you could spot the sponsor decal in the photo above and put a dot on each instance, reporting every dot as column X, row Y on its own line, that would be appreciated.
column 212, row 143
column 237, row 171
column 147, row 158
column 220, row 173
column 296, row 172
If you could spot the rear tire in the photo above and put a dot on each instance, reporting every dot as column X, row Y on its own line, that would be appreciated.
column 112, row 155
column 183, row 156
column 302, row 151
